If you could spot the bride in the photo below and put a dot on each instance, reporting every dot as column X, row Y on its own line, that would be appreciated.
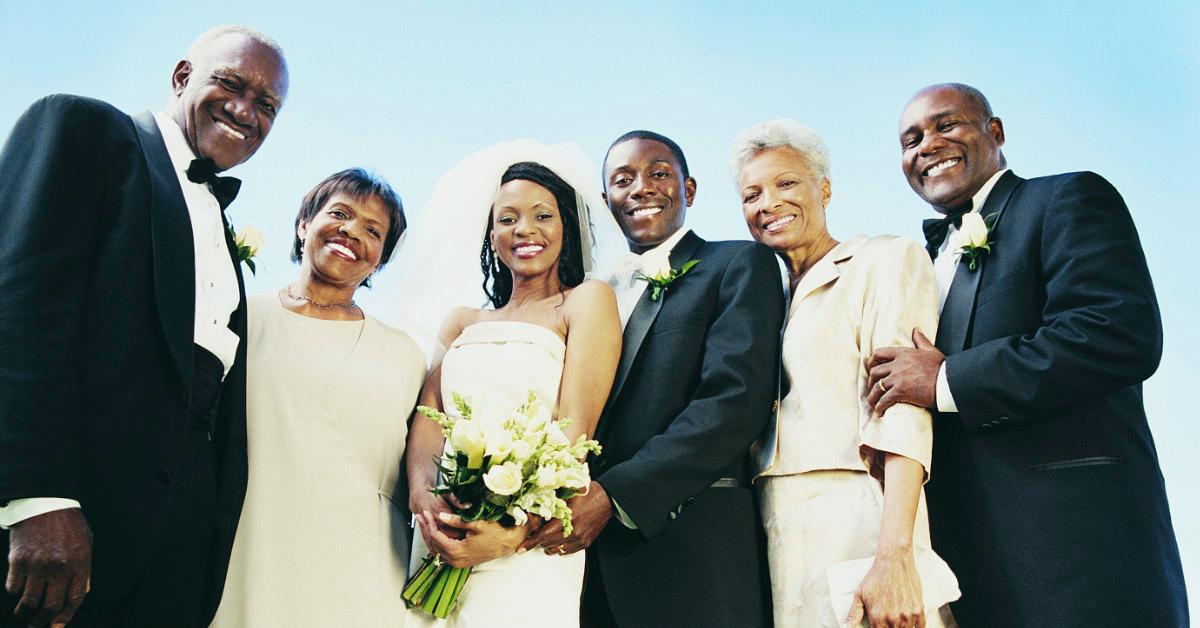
column 545, row 327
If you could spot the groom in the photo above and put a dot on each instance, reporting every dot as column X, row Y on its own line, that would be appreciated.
column 122, row 345
column 1045, row 495
column 674, row 533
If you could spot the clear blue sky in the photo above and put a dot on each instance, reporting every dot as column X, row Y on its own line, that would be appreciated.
column 408, row 89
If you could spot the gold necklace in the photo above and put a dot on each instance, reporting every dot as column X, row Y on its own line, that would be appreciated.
column 349, row 305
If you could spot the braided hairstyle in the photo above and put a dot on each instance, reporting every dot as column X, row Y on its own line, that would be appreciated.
column 497, row 278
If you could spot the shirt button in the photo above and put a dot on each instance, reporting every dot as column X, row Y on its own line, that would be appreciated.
column 214, row 321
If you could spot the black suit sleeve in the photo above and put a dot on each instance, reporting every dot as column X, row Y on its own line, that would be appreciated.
column 51, row 202
column 1100, row 327
column 731, row 405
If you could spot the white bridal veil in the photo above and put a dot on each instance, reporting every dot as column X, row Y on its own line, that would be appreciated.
column 438, row 267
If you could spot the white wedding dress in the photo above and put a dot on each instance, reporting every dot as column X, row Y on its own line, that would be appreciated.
column 507, row 359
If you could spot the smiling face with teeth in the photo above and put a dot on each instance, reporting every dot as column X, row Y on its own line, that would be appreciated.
column 782, row 201
column 226, row 96
column 343, row 242
column 647, row 192
column 527, row 229
column 950, row 146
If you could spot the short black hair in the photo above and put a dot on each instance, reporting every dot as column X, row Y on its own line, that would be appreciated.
column 358, row 184
column 497, row 278
column 655, row 137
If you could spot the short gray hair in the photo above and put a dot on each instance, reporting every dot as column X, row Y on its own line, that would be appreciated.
column 207, row 37
column 781, row 133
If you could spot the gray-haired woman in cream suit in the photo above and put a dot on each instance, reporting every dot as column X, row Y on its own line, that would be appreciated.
column 847, row 530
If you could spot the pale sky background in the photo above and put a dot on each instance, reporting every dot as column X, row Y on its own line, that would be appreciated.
column 409, row 88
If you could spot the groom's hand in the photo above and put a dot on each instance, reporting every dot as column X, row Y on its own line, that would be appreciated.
column 590, row 512
column 49, row 566
column 904, row 375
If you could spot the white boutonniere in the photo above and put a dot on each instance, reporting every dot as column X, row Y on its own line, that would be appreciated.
column 249, row 242
column 975, row 238
column 659, row 274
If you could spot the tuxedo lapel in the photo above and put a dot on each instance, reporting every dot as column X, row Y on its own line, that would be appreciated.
column 174, row 256
column 959, row 310
column 646, row 312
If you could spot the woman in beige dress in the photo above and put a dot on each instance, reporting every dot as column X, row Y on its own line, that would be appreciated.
column 322, row 540
column 841, row 489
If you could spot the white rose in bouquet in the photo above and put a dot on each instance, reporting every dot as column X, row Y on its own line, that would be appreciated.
column 504, row 479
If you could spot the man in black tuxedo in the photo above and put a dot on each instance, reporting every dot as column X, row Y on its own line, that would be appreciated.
column 674, row 531
column 1045, row 494
column 122, row 344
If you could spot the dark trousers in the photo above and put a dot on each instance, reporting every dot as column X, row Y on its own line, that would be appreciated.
column 171, row 591
column 594, row 611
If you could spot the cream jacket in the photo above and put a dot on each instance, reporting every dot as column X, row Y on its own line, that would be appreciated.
column 866, row 293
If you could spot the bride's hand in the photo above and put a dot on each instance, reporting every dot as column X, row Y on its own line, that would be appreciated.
column 436, row 505
column 890, row 594
column 484, row 540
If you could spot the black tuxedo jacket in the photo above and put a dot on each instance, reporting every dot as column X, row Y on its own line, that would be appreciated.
column 97, row 277
column 1045, row 494
column 693, row 390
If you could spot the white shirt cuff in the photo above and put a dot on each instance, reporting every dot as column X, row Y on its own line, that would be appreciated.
column 19, row 510
column 945, row 400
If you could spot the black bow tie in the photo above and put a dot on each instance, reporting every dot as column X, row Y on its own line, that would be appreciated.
column 224, row 188
column 936, row 229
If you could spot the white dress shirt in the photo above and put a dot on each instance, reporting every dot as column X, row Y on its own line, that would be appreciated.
column 625, row 281
column 945, row 266
column 216, row 291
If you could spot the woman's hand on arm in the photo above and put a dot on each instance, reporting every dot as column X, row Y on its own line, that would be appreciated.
column 890, row 594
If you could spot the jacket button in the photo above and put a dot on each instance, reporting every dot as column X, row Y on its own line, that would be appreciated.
column 165, row 476
column 1002, row 419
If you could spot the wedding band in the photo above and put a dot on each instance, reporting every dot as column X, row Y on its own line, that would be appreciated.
column 562, row 549
column 882, row 387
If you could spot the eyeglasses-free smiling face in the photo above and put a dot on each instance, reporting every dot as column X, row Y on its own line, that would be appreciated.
column 527, row 228
column 949, row 147
column 783, row 203
column 227, row 98
column 343, row 243
column 647, row 192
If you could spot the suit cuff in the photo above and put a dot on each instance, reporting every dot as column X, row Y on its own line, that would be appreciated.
column 625, row 519
column 19, row 510
column 945, row 400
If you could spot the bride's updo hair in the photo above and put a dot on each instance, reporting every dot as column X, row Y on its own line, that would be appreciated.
column 497, row 278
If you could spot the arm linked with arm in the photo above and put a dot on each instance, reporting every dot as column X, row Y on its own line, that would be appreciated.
column 1100, row 328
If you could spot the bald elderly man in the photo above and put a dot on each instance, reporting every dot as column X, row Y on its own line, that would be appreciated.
column 1045, row 495
column 122, row 344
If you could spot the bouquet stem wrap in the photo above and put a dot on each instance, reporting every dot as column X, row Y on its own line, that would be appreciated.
column 435, row 587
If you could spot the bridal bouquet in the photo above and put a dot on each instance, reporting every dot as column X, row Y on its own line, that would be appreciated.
column 503, row 461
